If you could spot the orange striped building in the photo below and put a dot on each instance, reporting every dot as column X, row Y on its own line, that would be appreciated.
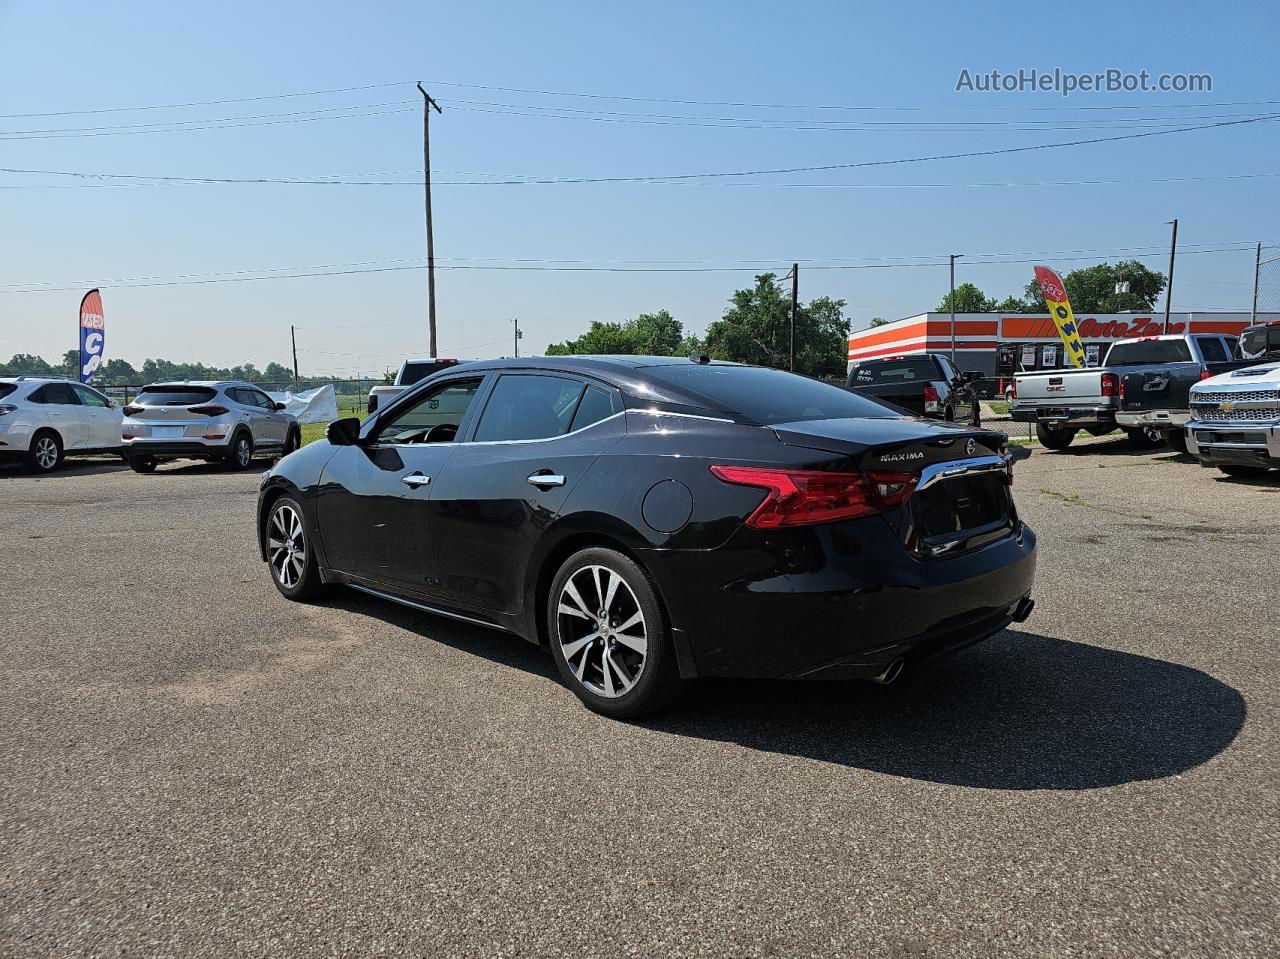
column 1000, row 344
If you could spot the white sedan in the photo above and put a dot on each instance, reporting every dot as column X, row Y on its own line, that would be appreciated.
column 43, row 419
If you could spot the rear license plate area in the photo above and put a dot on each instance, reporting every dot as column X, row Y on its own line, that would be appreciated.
column 963, row 503
column 167, row 432
column 1052, row 413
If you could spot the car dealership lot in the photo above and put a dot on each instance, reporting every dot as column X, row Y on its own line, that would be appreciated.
column 191, row 765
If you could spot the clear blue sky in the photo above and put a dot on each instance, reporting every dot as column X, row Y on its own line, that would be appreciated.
column 86, row 56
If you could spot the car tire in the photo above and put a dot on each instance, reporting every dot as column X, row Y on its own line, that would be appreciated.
column 1243, row 472
column 1177, row 440
column 977, row 414
column 628, row 669
column 45, row 454
column 290, row 554
column 292, row 441
column 1144, row 438
column 1054, row 439
column 142, row 464
column 240, row 453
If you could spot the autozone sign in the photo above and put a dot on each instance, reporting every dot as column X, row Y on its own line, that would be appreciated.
column 1119, row 329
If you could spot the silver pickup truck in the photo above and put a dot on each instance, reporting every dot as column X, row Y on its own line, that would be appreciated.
column 1063, row 402
column 411, row 371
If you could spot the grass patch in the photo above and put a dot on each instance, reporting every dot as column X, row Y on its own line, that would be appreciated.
column 1000, row 409
column 347, row 406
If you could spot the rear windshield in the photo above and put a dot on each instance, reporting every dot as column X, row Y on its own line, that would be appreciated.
column 415, row 372
column 909, row 370
column 6, row 389
column 1149, row 351
column 1253, row 341
column 767, row 396
column 175, row 395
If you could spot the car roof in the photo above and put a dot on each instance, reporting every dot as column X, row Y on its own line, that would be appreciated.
column 209, row 384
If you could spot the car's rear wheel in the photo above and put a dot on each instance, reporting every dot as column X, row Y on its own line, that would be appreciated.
column 1054, row 439
column 1244, row 471
column 609, row 636
column 294, row 568
column 240, row 455
column 1144, row 437
column 142, row 464
column 1177, row 440
column 45, row 453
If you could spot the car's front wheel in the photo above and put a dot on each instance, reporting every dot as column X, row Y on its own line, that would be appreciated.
column 291, row 443
column 608, row 634
column 292, row 559
column 45, row 453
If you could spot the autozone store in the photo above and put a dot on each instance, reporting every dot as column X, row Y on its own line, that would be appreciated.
column 1002, row 344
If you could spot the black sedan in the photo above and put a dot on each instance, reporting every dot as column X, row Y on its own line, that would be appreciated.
column 652, row 519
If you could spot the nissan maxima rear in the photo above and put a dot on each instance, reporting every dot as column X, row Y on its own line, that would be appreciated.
column 651, row 520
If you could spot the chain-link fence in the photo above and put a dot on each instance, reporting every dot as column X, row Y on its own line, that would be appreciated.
column 1266, row 291
column 352, row 393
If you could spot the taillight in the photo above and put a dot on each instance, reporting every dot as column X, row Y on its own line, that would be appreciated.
column 1104, row 390
column 1205, row 374
column 930, row 399
column 1110, row 384
column 210, row 409
column 1013, row 390
column 132, row 410
column 805, row 497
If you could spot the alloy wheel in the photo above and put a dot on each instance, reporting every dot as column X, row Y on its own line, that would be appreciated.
column 287, row 546
column 243, row 452
column 602, row 631
column 46, row 452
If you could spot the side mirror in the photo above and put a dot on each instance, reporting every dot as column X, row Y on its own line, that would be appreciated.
column 278, row 406
column 343, row 432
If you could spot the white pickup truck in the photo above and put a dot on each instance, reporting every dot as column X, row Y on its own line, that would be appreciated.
column 411, row 372
column 1063, row 402
column 1235, row 417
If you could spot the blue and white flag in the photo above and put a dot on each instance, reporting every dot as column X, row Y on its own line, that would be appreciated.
column 93, row 331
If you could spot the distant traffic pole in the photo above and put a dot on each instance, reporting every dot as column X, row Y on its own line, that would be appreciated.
column 795, row 300
column 1257, row 273
column 1168, row 296
column 294, row 337
column 952, row 301
column 427, row 105
column 516, row 334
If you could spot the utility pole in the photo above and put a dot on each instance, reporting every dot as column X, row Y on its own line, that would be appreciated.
column 427, row 105
column 952, row 301
column 515, row 321
column 1168, row 296
column 1257, row 273
column 294, row 337
column 795, row 300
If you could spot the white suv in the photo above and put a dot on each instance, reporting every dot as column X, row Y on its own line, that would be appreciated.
column 43, row 419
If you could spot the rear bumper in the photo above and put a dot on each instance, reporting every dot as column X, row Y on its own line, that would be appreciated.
column 186, row 449
column 1243, row 444
column 1059, row 416
column 1161, row 419
column 835, row 601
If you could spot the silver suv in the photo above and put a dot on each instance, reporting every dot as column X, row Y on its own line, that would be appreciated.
column 224, row 421
column 44, row 418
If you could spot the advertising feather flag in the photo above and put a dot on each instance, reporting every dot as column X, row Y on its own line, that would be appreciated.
column 93, row 331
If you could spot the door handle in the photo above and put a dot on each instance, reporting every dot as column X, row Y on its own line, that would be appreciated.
column 415, row 480
column 546, row 480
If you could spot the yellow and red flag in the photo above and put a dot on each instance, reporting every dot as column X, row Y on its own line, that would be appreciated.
column 1054, row 292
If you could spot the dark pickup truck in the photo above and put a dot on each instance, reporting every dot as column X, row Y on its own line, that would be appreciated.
column 1155, row 394
column 925, row 384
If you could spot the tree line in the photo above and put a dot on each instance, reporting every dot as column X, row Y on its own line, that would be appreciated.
column 117, row 372
column 1091, row 290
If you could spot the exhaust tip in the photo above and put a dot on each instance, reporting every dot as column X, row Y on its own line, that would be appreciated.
column 1023, row 609
column 891, row 672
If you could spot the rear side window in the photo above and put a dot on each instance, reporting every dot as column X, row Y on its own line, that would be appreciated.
column 1149, row 351
column 175, row 396
column 1211, row 349
column 529, row 408
column 767, row 396
column 596, row 405
column 6, row 389
column 57, row 394
column 909, row 370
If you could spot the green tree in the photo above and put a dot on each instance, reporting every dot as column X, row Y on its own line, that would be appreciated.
column 756, row 328
column 968, row 299
column 275, row 373
column 877, row 321
column 649, row 334
column 1093, row 289
column 117, row 371
column 1010, row 304
column 29, row 364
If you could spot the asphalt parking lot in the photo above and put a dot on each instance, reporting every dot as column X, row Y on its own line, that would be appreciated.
column 191, row 765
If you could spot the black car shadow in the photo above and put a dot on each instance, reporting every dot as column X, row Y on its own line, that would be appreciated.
column 1020, row 711
column 69, row 467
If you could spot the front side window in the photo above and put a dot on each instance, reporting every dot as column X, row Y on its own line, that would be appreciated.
column 434, row 418
column 525, row 407
column 89, row 398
